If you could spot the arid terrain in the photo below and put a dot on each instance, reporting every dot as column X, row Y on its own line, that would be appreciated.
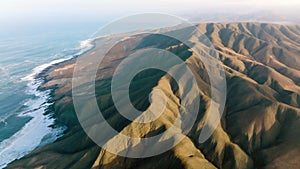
column 260, row 127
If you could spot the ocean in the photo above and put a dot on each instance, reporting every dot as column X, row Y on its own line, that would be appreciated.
column 24, row 52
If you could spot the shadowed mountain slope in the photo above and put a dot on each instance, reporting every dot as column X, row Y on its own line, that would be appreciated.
column 259, row 129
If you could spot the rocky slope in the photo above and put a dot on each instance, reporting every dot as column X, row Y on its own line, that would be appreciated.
column 259, row 129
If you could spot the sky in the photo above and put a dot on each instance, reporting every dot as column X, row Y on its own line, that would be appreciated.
column 80, row 9
column 48, row 11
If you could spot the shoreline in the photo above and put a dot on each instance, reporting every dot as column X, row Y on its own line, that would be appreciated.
column 57, row 79
column 45, row 73
column 41, row 116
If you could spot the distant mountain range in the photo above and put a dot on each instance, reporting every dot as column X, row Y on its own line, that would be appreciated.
column 279, row 16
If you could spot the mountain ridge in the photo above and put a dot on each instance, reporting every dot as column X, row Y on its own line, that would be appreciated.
column 258, row 129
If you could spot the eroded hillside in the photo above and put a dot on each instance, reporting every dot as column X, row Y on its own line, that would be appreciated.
column 260, row 127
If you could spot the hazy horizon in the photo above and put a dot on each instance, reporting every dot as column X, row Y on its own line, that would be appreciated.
column 17, row 11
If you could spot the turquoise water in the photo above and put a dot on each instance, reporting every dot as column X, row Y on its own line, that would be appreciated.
column 24, row 52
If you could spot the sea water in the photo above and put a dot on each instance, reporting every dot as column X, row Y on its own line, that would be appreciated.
column 25, row 52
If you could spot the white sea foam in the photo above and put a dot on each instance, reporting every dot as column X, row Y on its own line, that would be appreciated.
column 40, row 68
column 37, row 131
column 83, row 47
